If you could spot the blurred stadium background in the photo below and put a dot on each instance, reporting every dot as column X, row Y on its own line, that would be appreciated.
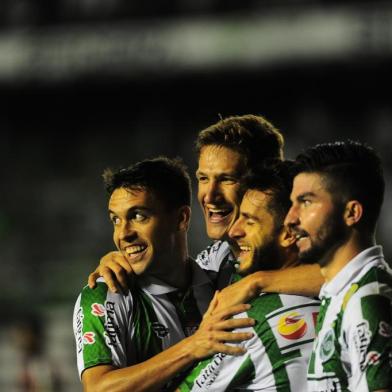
column 87, row 84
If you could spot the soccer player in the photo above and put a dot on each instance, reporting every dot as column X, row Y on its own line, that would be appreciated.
column 141, row 340
column 278, row 353
column 336, row 200
column 226, row 150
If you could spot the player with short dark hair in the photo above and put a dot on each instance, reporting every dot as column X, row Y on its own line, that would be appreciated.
column 336, row 200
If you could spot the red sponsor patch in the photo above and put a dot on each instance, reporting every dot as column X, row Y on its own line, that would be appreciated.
column 97, row 310
column 89, row 338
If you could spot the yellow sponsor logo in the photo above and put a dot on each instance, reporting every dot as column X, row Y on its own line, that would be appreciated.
column 292, row 326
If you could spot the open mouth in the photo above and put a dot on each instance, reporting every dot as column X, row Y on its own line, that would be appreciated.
column 217, row 215
column 135, row 252
column 244, row 251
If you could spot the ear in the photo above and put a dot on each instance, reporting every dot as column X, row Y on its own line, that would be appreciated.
column 353, row 212
column 184, row 218
column 286, row 237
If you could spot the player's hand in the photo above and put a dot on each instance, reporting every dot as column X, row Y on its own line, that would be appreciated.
column 240, row 292
column 115, row 269
column 216, row 329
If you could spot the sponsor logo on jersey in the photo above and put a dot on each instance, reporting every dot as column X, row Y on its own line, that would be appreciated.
column 110, row 326
column 160, row 330
column 327, row 346
column 385, row 329
column 89, row 338
column 97, row 310
column 79, row 329
column 292, row 325
column 373, row 358
column 211, row 372
column 362, row 338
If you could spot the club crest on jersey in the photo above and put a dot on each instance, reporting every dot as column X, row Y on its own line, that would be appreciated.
column 160, row 330
column 292, row 326
column 327, row 346
column 97, row 310
column 89, row 338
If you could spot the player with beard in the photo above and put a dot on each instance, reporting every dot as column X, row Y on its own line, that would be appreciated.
column 226, row 150
column 278, row 353
column 336, row 200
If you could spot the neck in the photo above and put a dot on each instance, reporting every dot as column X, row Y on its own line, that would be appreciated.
column 344, row 253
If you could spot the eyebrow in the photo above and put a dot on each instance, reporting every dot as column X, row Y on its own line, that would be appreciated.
column 302, row 196
column 220, row 175
column 133, row 209
column 246, row 215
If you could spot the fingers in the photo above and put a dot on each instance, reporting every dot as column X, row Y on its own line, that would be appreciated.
column 212, row 305
column 118, row 275
column 92, row 279
column 232, row 310
column 234, row 323
column 229, row 350
column 110, row 280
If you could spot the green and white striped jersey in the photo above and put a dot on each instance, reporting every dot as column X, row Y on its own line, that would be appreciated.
column 277, row 355
column 352, row 351
column 122, row 330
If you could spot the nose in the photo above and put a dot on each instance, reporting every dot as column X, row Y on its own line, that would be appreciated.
column 236, row 231
column 126, row 232
column 292, row 218
column 212, row 192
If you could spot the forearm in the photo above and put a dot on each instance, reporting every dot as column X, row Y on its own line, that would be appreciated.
column 301, row 280
column 150, row 375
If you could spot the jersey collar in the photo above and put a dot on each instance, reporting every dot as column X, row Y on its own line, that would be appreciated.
column 352, row 271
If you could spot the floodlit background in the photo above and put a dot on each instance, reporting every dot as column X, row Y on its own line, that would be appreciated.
column 87, row 84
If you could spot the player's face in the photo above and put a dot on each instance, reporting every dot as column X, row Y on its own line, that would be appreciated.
column 255, row 232
column 220, row 191
column 144, row 230
column 315, row 219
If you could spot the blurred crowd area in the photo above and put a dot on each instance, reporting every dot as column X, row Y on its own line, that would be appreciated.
column 86, row 85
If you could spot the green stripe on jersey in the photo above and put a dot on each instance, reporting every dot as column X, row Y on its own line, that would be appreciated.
column 244, row 374
column 94, row 346
column 261, row 307
column 144, row 320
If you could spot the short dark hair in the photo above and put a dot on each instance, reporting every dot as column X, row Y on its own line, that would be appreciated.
column 252, row 136
column 352, row 171
column 167, row 178
column 276, row 178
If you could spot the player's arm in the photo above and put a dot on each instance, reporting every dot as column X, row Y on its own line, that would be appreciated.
column 154, row 373
column 303, row 280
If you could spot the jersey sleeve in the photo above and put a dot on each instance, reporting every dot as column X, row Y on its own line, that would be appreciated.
column 368, row 334
column 100, row 328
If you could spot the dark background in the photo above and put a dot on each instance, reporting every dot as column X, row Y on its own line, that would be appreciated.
column 89, row 84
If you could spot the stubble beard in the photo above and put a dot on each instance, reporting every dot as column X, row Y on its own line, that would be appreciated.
column 328, row 238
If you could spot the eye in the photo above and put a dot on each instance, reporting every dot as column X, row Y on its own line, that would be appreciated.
column 139, row 217
column 228, row 180
column 249, row 223
column 306, row 203
column 202, row 179
column 115, row 220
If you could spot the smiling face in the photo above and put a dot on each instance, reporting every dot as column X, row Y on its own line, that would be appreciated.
column 256, row 232
column 315, row 219
column 144, row 230
column 220, row 191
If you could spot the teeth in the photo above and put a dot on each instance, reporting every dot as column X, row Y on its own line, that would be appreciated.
column 135, row 249
column 245, row 248
column 217, row 210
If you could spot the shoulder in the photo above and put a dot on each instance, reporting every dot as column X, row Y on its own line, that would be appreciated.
column 212, row 257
